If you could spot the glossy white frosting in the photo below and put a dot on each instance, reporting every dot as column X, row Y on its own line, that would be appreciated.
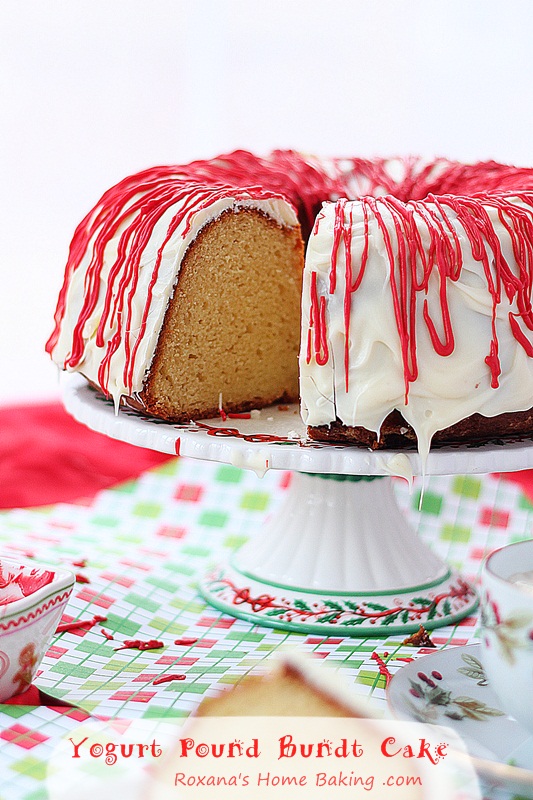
column 448, row 388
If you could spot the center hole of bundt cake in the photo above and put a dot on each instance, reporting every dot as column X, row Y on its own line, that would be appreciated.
column 232, row 327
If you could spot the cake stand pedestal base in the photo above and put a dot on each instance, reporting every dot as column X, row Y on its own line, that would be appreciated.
column 339, row 558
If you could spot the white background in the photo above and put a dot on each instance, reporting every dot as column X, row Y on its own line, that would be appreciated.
column 92, row 90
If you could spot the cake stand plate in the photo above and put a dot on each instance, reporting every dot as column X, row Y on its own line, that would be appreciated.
column 275, row 438
column 338, row 556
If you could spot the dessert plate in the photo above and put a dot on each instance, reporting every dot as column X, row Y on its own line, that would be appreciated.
column 449, row 688
column 275, row 438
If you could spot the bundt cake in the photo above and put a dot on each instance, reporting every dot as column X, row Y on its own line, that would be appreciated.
column 183, row 289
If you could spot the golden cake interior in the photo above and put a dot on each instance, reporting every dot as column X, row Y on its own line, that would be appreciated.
column 281, row 693
column 231, row 330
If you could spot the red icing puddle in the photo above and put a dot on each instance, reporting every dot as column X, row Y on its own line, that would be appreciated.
column 168, row 678
column 382, row 667
column 86, row 624
column 139, row 644
column 17, row 582
column 185, row 641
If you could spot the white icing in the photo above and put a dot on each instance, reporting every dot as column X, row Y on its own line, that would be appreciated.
column 293, row 436
column 448, row 389
column 277, row 209
column 398, row 466
column 257, row 460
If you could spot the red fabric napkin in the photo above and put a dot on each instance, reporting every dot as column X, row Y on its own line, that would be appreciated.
column 524, row 479
column 31, row 697
column 47, row 457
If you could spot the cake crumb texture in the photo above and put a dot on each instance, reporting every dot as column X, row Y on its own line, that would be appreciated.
column 231, row 329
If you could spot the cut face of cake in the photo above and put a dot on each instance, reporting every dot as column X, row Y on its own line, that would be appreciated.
column 228, row 336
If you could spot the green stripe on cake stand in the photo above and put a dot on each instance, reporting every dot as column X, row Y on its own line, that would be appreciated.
column 352, row 478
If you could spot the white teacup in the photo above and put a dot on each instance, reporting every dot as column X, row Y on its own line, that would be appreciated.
column 507, row 627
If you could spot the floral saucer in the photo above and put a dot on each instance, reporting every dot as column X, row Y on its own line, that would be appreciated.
column 449, row 688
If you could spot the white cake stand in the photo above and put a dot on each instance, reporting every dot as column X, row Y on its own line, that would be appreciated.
column 338, row 557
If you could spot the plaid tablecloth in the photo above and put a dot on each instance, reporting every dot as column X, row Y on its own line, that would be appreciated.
column 139, row 549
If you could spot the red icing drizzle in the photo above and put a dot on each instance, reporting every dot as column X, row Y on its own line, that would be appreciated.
column 139, row 644
column 86, row 624
column 382, row 667
column 411, row 265
column 235, row 434
column 318, row 322
column 17, row 582
column 129, row 211
column 168, row 678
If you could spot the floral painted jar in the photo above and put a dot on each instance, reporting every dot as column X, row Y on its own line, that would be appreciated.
column 32, row 600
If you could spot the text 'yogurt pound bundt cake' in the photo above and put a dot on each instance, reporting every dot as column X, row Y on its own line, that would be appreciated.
column 183, row 286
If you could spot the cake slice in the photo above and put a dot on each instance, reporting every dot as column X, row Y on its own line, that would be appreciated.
column 179, row 298
column 298, row 731
column 294, row 687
